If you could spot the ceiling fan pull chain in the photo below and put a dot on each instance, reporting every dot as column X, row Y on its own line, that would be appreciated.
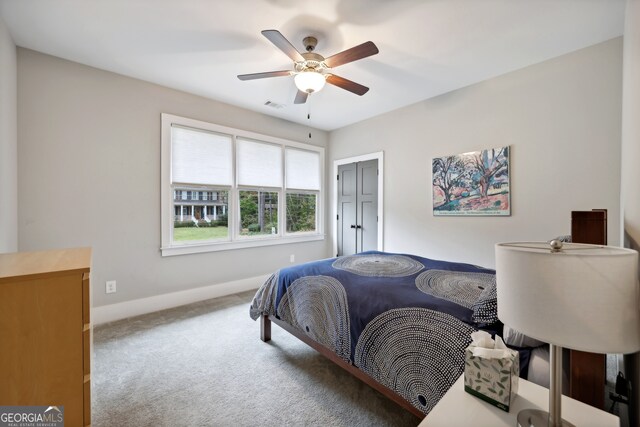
column 309, row 115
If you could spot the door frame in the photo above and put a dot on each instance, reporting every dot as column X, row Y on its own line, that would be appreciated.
column 379, row 155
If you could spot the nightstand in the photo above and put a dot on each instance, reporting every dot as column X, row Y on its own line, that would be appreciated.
column 459, row 408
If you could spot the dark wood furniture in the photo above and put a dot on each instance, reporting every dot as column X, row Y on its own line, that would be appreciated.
column 587, row 371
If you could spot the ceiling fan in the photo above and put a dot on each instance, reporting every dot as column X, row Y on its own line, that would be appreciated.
column 312, row 70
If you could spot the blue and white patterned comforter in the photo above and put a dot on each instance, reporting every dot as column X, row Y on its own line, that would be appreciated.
column 402, row 319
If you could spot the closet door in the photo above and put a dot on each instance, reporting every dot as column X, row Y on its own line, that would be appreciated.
column 347, row 214
column 357, row 221
column 367, row 206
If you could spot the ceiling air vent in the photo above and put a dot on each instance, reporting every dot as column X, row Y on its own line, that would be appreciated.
column 273, row 105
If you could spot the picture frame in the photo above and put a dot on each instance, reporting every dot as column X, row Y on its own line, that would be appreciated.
column 476, row 183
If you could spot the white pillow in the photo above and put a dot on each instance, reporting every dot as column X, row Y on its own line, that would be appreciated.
column 518, row 339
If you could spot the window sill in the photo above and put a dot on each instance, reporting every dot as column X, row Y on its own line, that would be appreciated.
column 195, row 248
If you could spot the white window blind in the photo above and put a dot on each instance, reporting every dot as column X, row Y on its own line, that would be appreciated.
column 303, row 169
column 258, row 164
column 200, row 157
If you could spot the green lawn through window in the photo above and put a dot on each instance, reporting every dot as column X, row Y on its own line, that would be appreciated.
column 199, row 233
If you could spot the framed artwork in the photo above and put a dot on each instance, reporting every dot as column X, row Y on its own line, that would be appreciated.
column 472, row 184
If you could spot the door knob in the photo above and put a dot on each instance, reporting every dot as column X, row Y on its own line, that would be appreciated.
column 358, row 226
column 353, row 226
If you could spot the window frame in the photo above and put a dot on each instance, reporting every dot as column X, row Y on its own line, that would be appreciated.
column 169, row 247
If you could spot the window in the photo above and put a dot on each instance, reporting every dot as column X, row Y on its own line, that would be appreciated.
column 301, row 212
column 197, row 222
column 259, row 165
column 258, row 213
column 199, row 158
column 224, row 188
column 303, row 189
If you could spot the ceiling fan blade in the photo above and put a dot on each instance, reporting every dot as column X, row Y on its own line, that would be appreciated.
column 353, row 54
column 301, row 97
column 263, row 75
column 345, row 84
column 283, row 44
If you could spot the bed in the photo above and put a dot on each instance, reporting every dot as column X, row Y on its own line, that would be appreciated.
column 399, row 322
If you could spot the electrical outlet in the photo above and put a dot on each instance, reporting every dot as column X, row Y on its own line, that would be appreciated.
column 292, row 258
column 110, row 287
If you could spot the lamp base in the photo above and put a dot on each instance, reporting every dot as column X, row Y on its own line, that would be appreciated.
column 537, row 418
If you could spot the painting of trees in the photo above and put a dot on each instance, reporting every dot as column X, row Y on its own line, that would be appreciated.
column 475, row 183
column 449, row 172
column 489, row 165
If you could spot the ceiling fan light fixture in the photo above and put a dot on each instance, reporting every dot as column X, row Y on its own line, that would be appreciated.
column 309, row 81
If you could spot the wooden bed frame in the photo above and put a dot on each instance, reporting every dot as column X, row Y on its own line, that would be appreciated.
column 587, row 373
column 265, row 335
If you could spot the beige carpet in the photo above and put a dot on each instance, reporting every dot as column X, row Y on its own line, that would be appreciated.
column 204, row 365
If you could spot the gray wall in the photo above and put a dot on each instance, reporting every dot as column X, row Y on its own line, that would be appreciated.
column 89, row 175
column 8, row 143
column 562, row 121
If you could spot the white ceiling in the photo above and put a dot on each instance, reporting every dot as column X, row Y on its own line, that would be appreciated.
column 427, row 47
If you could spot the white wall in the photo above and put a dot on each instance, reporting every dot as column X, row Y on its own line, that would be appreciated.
column 630, row 194
column 8, row 143
column 630, row 199
column 89, row 175
column 562, row 121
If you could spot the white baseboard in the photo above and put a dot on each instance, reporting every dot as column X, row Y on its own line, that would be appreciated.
column 122, row 310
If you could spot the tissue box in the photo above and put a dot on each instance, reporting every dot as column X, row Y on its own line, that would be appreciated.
column 492, row 380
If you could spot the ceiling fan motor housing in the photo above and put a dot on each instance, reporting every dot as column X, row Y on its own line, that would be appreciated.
column 310, row 43
column 312, row 61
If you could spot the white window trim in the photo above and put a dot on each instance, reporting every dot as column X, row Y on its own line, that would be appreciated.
column 168, row 248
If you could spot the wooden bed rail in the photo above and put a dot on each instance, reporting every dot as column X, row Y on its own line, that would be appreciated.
column 265, row 335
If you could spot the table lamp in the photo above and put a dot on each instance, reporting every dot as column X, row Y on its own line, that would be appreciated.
column 582, row 297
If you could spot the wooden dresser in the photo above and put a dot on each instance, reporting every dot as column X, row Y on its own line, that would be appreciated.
column 45, row 331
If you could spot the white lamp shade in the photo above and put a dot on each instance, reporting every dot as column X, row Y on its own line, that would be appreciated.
column 585, row 297
column 309, row 81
